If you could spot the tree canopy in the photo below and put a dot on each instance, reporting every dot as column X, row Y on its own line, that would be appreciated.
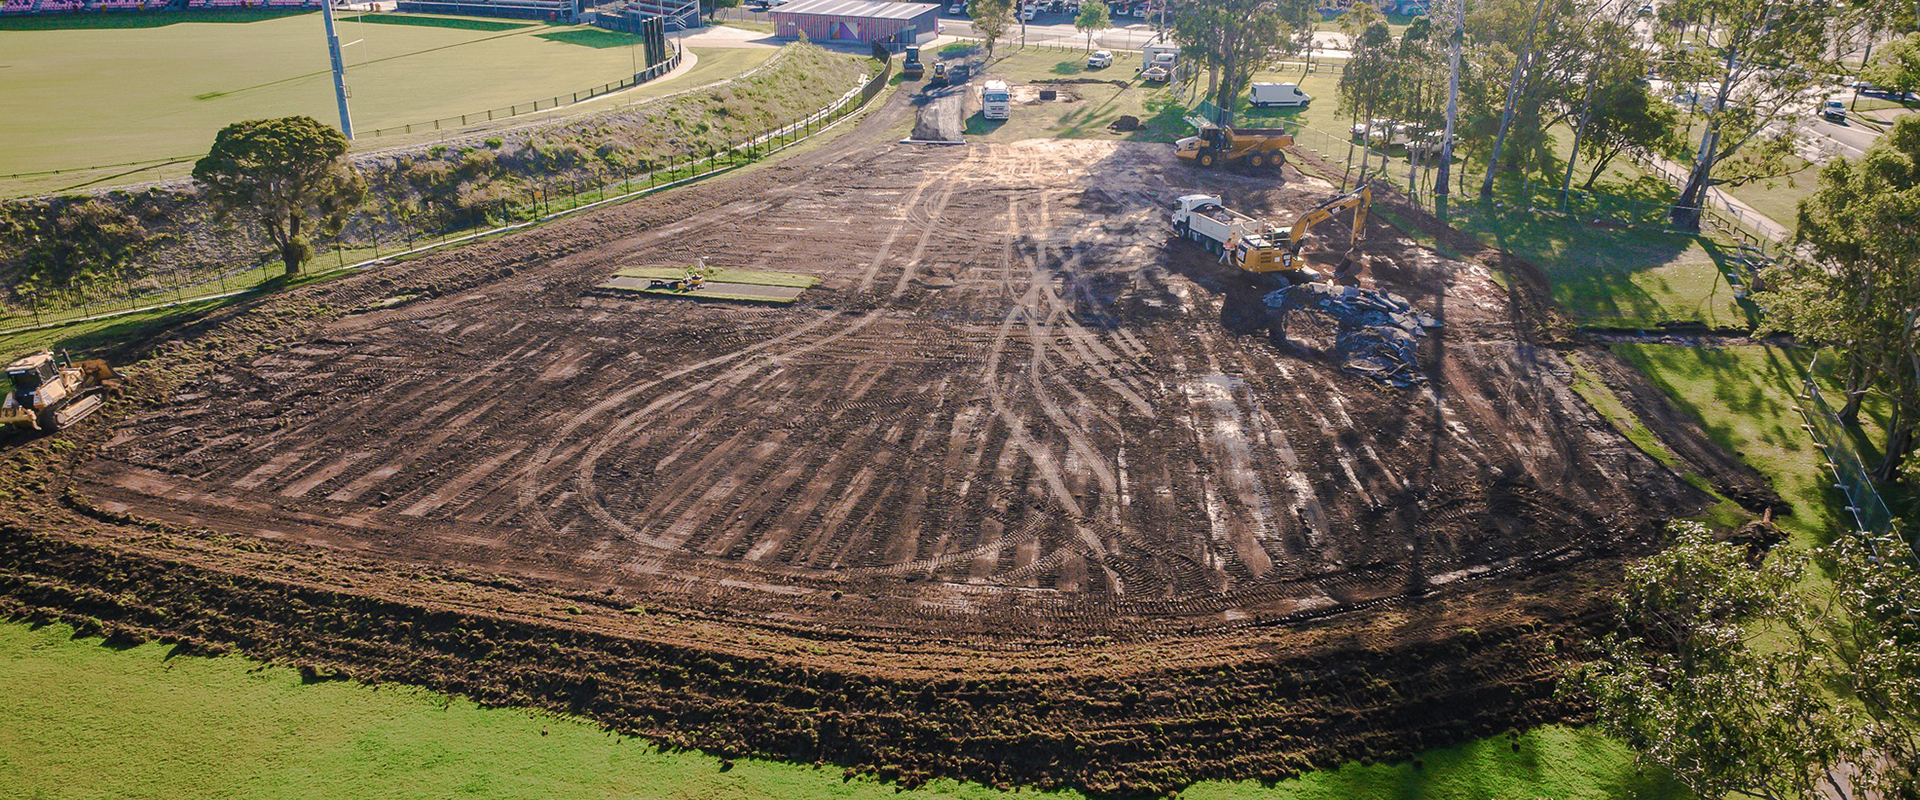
column 1093, row 19
column 992, row 19
column 1896, row 66
column 1860, row 292
column 1729, row 675
column 283, row 172
column 1760, row 60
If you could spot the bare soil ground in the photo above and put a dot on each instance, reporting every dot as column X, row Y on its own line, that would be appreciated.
column 992, row 500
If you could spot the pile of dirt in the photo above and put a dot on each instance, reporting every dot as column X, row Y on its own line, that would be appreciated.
column 1126, row 122
column 941, row 118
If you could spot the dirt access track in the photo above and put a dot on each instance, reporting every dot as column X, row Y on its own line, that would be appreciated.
column 1020, row 492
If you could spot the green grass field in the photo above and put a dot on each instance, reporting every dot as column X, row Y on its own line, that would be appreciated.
column 97, row 89
column 79, row 719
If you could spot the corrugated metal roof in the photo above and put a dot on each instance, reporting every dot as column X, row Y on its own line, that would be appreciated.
column 872, row 9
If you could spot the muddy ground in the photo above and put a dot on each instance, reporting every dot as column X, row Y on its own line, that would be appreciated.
column 1017, row 450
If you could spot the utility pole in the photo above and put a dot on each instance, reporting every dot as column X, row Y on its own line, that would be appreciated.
column 1453, row 107
column 339, row 69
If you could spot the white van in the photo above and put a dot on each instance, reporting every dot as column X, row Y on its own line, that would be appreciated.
column 1278, row 95
column 995, row 101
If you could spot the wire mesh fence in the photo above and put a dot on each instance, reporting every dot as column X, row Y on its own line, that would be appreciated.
column 1865, row 506
column 520, row 109
column 404, row 231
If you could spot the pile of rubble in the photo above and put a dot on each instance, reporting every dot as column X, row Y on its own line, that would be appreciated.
column 1379, row 331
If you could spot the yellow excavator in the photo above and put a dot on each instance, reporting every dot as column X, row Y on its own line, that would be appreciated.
column 50, row 392
column 1256, row 246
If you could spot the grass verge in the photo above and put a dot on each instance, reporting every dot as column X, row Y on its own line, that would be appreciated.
column 87, row 720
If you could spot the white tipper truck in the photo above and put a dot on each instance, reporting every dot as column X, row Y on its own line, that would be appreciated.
column 996, row 102
column 1238, row 239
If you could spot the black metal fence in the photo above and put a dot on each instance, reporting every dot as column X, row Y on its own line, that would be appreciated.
column 403, row 235
column 518, row 109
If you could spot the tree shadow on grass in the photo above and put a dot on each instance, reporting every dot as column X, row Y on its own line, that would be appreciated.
column 593, row 37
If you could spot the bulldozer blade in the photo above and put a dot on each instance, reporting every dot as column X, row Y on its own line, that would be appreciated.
column 78, row 410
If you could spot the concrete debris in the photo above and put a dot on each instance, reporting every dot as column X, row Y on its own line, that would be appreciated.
column 1379, row 331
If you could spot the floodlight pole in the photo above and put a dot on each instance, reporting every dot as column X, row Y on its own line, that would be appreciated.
column 339, row 68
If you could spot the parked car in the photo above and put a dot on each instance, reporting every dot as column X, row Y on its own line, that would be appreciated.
column 1100, row 59
column 1430, row 144
column 1029, row 12
column 1277, row 95
column 957, row 9
column 1399, row 133
column 1364, row 130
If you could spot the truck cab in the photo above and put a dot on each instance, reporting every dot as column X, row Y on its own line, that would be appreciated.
column 996, row 101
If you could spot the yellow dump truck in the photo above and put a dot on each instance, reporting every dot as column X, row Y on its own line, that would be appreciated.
column 1213, row 145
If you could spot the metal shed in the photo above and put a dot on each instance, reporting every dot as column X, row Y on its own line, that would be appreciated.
column 865, row 21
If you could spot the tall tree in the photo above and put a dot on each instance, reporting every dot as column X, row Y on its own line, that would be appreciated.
column 1093, row 19
column 283, row 172
column 1764, row 58
column 1522, row 60
column 992, row 19
column 1861, row 291
column 1624, row 116
column 1683, row 684
column 1237, row 38
column 1897, row 67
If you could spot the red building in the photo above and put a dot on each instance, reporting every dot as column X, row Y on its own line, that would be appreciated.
column 865, row 21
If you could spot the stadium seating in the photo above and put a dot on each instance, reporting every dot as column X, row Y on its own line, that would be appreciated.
column 561, row 10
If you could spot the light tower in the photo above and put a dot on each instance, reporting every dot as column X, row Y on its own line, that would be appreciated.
column 339, row 69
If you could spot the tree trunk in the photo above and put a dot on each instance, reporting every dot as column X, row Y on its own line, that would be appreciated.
column 1579, row 132
column 1899, row 443
column 293, row 251
column 1855, row 387
column 1520, row 63
column 1453, row 104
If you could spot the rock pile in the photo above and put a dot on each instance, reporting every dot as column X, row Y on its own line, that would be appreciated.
column 1379, row 331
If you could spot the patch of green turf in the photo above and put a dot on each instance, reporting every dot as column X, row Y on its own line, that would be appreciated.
column 757, row 277
column 77, row 97
column 1744, row 400
column 1554, row 761
column 1617, row 278
column 83, row 720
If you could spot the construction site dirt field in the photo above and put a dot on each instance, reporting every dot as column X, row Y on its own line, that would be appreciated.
column 1017, row 434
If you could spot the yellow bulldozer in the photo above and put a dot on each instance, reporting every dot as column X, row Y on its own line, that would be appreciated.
column 51, row 391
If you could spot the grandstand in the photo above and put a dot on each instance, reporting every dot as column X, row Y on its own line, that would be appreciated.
column 549, row 10
column 14, row 7
column 625, row 15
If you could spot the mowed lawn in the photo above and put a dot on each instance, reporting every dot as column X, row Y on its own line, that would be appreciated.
column 79, row 719
column 91, row 90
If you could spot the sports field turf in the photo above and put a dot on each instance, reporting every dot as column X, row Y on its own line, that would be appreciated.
column 83, row 720
column 90, row 90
